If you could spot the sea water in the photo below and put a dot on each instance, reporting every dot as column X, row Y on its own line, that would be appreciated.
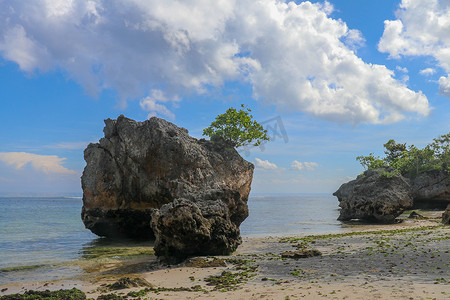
column 291, row 214
column 43, row 232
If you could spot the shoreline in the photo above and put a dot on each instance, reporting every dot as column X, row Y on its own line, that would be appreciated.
column 408, row 260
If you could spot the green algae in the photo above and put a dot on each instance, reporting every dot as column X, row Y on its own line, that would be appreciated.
column 110, row 297
column 21, row 268
column 73, row 294
column 116, row 252
column 156, row 290
column 232, row 280
column 127, row 282
column 310, row 238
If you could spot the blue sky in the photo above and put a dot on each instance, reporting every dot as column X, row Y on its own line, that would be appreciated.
column 342, row 77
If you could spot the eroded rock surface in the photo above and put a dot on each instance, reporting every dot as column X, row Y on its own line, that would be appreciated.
column 374, row 196
column 446, row 216
column 184, row 228
column 141, row 166
column 431, row 190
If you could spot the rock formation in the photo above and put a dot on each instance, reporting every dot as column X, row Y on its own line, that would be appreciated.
column 446, row 216
column 374, row 196
column 370, row 194
column 141, row 166
column 184, row 227
column 431, row 190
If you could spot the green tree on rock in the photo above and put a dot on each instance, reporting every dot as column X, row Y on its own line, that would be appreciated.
column 412, row 161
column 394, row 151
column 371, row 162
column 441, row 147
column 238, row 128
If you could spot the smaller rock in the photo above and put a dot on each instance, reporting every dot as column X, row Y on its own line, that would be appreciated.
column 415, row 215
column 186, row 228
column 301, row 253
column 446, row 216
column 378, row 195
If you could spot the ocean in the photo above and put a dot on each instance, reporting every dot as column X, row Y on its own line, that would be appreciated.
column 45, row 233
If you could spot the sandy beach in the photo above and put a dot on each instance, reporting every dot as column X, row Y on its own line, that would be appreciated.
column 408, row 260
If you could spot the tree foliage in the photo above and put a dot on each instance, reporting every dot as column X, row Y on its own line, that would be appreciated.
column 371, row 162
column 393, row 150
column 238, row 128
column 411, row 161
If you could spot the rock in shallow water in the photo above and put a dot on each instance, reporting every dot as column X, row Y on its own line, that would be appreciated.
column 374, row 196
column 141, row 166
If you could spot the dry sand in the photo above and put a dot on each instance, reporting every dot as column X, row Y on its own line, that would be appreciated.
column 410, row 260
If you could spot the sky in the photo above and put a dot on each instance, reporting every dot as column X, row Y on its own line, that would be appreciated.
column 330, row 80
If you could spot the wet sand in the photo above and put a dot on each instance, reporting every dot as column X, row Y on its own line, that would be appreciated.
column 409, row 260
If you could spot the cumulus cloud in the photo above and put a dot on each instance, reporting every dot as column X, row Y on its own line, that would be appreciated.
column 293, row 55
column 427, row 72
column 303, row 166
column 354, row 39
column 153, row 104
column 401, row 69
column 264, row 164
column 421, row 28
column 444, row 86
column 48, row 164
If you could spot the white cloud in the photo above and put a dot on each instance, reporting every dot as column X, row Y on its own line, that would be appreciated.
column 354, row 39
column 422, row 28
column 303, row 166
column 401, row 69
column 48, row 164
column 264, row 164
column 427, row 72
column 294, row 55
column 153, row 104
column 444, row 86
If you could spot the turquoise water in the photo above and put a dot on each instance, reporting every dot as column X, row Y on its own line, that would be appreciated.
column 49, row 231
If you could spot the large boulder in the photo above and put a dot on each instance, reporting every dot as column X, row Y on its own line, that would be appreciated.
column 378, row 195
column 431, row 190
column 184, row 227
column 141, row 166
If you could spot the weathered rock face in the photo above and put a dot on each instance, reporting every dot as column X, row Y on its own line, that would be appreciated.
column 373, row 197
column 431, row 190
column 184, row 227
column 446, row 216
column 141, row 166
